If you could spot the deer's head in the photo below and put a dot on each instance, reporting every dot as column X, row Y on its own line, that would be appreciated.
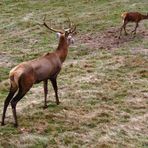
column 66, row 34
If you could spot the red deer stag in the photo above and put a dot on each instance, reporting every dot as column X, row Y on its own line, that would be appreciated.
column 131, row 17
column 23, row 76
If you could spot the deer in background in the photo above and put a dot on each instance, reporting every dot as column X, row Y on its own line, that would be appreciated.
column 23, row 76
column 131, row 17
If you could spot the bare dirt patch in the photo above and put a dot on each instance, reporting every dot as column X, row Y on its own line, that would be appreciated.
column 109, row 39
column 5, row 60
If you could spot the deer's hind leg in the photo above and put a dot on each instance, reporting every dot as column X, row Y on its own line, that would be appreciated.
column 7, row 101
column 134, row 31
column 25, row 84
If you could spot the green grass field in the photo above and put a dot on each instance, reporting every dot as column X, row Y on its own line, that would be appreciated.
column 103, row 86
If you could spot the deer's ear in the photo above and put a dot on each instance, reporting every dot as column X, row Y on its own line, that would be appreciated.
column 58, row 35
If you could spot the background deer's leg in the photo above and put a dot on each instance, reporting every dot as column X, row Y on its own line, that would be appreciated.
column 124, row 27
column 134, row 31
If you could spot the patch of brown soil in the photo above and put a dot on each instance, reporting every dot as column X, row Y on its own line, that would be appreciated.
column 109, row 39
column 5, row 60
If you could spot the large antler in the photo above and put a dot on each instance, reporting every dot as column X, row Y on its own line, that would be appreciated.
column 71, row 28
column 50, row 28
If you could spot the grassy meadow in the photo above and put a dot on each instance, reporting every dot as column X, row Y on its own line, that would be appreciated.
column 103, row 86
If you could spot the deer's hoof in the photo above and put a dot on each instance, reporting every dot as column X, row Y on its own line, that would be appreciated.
column 45, row 106
column 58, row 103
column 2, row 124
column 15, row 125
column 133, row 32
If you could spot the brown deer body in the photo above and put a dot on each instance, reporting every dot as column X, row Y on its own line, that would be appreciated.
column 47, row 67
column 131, row 17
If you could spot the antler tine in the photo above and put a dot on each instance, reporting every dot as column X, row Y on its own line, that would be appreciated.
column 70, row 23
column 73, row 29
column 50, row 28
column 44, row 18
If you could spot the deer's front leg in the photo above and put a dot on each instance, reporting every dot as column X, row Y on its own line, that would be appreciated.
column 54, row 84
column 45, row 93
